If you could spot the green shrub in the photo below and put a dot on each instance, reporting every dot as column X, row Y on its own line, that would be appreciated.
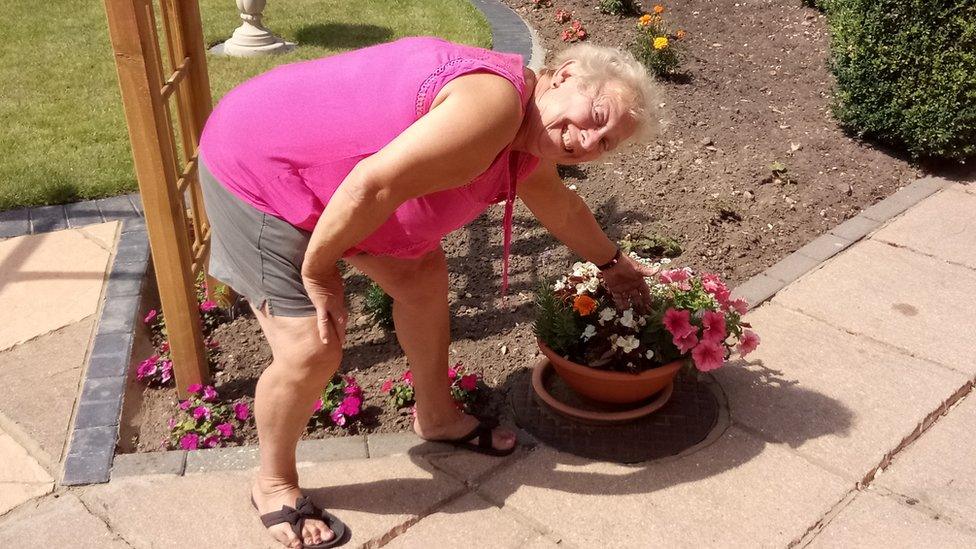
column 620, row 7
column 906, row 73
column 379, row 306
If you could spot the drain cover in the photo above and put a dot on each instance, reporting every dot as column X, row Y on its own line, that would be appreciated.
column 687, row 418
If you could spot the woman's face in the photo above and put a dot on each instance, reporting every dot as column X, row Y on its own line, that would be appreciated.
column 577, row 125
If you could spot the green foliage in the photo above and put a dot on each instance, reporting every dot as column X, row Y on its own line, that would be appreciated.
column 401, row 395
column 906, row 73
column 379, row 306
column 556, row 324
column 659, row 49
column 652, row 245
column 620, row 7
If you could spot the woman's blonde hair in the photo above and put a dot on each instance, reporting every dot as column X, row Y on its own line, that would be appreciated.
column 598, row 65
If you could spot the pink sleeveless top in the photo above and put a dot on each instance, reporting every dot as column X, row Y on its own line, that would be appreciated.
column 284, row 141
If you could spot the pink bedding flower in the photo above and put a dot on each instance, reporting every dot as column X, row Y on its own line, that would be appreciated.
column 408, row 377
column 184, row 405
column 207, row 306
column 714, row 324
column 226, row 430
column 350, row 406
column 468, row 382
column 150, row 316
column 241, row 411
column 212, row 441
column 687, row 343
column 387, row 386
column 167, row 370
column 748, row 342
column 201, row 412
column 146, row 368
column 194, row 389
column 708, row 355
column 674, row 275
column 739, row 305
column 338, row 418
column 209, row 393
column 678, row 322
column 190, row 441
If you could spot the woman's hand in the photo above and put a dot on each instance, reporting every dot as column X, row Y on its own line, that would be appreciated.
column 325, row 291
column 625, row 280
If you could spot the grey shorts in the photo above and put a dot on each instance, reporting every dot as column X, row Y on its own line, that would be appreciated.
column 256, row 254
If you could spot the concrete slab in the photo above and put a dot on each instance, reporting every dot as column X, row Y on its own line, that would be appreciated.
column 943, row 225
column 872, row 520
column 470, row 467
column 40, row 380
column 21, row 477
column 739, row 492
column 372, row 496
column 891, row 294
column 50, row 280
column 61, row 522
column 938, row 468
column 842, row 400
column 456, row 524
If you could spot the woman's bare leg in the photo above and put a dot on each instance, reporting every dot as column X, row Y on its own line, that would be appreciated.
column 286, row 392
column 422, row 318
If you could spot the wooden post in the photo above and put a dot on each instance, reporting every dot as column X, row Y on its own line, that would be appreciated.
column 137, row 58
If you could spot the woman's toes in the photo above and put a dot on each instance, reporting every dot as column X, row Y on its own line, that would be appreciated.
column 285, row 536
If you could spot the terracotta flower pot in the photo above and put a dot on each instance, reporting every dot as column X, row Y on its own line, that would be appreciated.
column 607, row 386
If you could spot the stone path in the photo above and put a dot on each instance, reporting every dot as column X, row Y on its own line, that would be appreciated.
column 850, row 426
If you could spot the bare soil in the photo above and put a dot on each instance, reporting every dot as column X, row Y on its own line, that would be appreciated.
column 754, row 89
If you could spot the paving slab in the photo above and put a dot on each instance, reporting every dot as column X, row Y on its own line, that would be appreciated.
column 372, row 496
column 58, row 522
column 21, row 477
column 845, row 401
column 952, row 239
column 470, row 467
column 51, row 280
column 40, row 384
column 739, row 492
column 872, row 520
column 454, row 524
column 939, row 468
column 891, row 294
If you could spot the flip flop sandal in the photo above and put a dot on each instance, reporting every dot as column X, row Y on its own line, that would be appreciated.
column 296, row 516
column 483, row 446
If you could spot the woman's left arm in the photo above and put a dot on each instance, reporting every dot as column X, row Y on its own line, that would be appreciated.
column 567, row 217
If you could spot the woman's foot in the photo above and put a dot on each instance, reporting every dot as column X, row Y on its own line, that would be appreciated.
column 458, row 425
column 270, row 498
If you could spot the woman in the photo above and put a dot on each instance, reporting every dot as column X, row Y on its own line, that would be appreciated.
column 372, row 157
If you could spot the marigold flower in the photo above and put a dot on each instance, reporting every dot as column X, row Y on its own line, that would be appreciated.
column 658, row 9
column 644, row 20
column 660, row 42
column 584, row 304
column 680, row 34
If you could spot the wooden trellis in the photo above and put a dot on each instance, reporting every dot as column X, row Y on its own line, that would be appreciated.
column 168, row 182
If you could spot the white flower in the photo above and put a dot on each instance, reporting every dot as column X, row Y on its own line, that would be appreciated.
column 665, row 260
column 585, row 270
column 589, row 332
column 627, row 343
column 591, row 286
column 627, row 319
column 560, row 284
column 607, row 315
column 649, row 354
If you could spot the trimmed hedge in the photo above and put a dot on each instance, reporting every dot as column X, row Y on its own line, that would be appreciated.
column 906, row 73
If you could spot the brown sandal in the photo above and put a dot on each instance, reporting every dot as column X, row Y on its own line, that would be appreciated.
column 296, row 516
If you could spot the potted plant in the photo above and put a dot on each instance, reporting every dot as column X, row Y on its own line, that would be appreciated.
column 626, row 356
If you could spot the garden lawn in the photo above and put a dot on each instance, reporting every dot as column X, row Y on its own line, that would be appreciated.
column 64, row 135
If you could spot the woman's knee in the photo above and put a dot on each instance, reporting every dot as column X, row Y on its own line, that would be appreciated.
column 311, row 361
column 424, row 282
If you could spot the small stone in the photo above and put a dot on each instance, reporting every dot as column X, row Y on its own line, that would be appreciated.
column 705, row 141
column 467, row 295
column 749, row 195
column 572, row 187
column 504, row 349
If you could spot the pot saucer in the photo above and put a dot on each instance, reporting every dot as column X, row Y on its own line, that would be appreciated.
column 543, row 375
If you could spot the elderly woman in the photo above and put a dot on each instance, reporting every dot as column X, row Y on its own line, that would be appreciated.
column 371, row 157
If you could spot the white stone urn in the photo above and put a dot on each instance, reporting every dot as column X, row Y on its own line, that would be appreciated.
column 252, row 37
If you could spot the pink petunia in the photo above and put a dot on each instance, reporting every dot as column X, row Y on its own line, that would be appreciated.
column 353, row 389
column 150, row 316
column 241, row 411
column 194, row 389
column 167, row 371
column 190, row 441
column 452, row 374
column 338, row 418
column 212, row 441
column 687, row 343
column 408, row 377
column 748, row 342
column 209, row 393
column 678, row 322
column 226, row 430
column 714, row 324
column 468, row 382
column 164, row 347
column 350, row 406
column 146, row 368
column 184, row 405
column 207, row 306
column 317, row 406
column 387, row 386
column 201, row 412
column 669, row 276
column 739, row 305
column 708, row 355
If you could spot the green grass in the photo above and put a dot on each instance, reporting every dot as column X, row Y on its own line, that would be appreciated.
column 64, row 136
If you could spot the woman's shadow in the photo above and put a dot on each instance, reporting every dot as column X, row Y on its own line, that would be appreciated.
column 553, row 470
column 342, row 35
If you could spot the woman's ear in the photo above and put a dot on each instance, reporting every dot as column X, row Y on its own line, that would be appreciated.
column 563, row 72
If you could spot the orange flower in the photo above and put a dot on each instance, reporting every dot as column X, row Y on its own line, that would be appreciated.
column 680, row 34
column 584, row 304
column 644, row 20
column 658, row 9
